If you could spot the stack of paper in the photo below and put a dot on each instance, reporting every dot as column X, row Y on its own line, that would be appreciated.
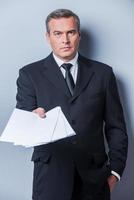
column 28, row 129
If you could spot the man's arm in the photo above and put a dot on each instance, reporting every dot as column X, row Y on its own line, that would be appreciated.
column 26, row 96
column 115, row 130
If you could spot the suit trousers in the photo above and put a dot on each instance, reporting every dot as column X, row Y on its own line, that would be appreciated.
column 83, row 191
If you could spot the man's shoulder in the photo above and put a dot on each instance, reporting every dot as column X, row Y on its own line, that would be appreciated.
column 35, row 66
column 95, row 65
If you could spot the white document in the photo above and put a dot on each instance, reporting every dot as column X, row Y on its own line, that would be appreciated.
column 28, row 129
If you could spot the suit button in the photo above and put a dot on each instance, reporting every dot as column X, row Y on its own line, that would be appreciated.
column 73, row 122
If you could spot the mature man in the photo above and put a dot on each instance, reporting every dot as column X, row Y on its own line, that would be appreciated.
column 75, row 168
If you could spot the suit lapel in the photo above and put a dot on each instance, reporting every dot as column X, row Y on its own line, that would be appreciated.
column 54, row 74
column 85, row 74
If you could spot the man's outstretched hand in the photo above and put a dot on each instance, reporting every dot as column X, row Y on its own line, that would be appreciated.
column 40, row 112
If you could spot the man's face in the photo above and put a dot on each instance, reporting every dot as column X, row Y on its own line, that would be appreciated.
column 64, row 37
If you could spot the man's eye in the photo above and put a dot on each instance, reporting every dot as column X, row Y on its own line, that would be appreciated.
column 57, row 33
column 72, row 32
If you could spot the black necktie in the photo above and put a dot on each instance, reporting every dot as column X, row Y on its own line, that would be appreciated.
column 68, row 77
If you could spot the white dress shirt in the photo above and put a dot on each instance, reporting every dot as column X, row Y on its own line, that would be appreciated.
column 74, row 68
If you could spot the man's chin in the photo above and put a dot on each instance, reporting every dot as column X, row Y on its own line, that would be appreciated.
column 67, row 56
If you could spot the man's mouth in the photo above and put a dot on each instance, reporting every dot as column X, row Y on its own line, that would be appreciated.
column 66, row 48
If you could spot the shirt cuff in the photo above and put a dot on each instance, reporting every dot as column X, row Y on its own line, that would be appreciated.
column 116, row 174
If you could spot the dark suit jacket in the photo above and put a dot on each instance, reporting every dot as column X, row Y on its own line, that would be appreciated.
column 93, row 110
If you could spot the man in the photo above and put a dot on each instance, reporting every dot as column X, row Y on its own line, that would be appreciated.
column 75, row 168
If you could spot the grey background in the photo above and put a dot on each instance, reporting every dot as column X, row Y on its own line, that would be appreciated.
column 107, row 36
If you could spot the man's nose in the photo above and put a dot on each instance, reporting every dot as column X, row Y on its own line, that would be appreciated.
column 65, row 38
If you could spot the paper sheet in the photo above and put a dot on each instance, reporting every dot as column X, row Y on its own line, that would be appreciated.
column 28, row 129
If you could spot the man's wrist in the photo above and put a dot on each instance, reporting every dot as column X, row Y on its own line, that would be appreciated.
column 116, row 175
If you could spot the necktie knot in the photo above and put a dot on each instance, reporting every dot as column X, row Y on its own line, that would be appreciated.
column 67, row 66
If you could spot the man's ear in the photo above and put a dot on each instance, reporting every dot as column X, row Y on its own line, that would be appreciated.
column 47, row 37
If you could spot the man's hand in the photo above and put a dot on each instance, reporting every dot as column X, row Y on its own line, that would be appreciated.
column 112, row 180
column 40, row 111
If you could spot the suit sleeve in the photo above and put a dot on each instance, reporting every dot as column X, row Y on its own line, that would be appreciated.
column 26, row 95
column 115, row 128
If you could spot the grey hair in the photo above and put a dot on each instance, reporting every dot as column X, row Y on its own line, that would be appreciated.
column 59, row 13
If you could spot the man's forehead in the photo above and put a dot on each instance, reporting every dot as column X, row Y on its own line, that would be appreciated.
column 62, row 20
column 63, row 23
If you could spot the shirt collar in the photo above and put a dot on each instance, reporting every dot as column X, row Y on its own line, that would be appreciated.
column 60, row 62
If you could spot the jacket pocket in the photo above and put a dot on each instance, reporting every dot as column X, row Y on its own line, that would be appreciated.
column 99, row 159
column 41, row 157
column 99, row 170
